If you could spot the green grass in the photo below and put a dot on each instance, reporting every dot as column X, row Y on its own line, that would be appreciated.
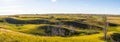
column 21, row 32
column 20, row 37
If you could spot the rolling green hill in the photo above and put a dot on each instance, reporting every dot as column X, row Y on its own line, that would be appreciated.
column 57, row 28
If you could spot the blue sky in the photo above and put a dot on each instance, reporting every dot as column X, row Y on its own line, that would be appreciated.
column 8, row 7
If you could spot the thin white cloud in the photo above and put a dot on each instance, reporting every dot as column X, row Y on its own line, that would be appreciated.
column 10, row 9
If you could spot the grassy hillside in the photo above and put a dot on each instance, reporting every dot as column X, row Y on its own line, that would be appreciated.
column 56, row 28
column 11, row 36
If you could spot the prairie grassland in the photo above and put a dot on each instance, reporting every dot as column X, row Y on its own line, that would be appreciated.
column 115, row 20
column 20, row 32
column 11, row 36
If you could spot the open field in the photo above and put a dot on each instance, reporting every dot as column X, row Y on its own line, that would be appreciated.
column 57, row 28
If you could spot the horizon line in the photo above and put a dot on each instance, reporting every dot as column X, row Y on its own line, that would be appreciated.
column 59, row 14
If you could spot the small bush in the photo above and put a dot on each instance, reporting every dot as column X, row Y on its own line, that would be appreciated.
column 116, row 37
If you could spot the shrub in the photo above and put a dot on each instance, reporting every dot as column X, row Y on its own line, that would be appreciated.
column 116, row 37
